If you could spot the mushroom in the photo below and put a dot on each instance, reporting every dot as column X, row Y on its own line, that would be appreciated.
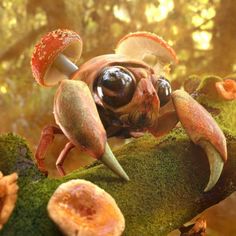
column 148, row 47
column 8, row 196
column 226, row 89
column 198, row 228
column 81, row 208
column 54, row 56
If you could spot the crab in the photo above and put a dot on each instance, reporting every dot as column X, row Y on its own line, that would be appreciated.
column 124, row 94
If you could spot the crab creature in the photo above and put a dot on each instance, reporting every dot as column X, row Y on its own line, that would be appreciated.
column 124, row 94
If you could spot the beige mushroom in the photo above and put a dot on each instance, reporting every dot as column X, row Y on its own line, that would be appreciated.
column 81, row 208
column 149, row 48
column 8, row 196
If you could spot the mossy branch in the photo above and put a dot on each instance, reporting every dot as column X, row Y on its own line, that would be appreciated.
column 165, row 191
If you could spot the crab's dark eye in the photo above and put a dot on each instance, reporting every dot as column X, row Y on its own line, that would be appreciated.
column 163, row 90
column 115, row 86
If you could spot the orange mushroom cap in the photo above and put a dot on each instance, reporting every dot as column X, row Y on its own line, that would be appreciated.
column 80, row 207
column 226, row 89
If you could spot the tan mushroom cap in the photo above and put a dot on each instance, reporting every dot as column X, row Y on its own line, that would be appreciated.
column 8, row 196
column 81, row 208
column 45, row 52
column 148, row 47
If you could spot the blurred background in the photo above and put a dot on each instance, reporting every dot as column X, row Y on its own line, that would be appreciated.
column 202, row 32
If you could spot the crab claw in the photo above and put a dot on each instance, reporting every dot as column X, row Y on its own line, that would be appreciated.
column 76, row 114
column 204, row 131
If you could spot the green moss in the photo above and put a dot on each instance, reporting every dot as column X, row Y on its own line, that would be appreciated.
column 226, row 114
column 16, row 156
column 223, row 111
column 167, row 180
column 207, row 86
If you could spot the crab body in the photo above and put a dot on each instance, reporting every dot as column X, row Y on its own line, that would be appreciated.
column 123, row 95
column 141, row 111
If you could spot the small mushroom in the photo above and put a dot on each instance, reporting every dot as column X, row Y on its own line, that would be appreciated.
column 196, row 229
column 81, row 208
column 226, row 89
column 8, row 196
column 148, row 47
column 54, row 57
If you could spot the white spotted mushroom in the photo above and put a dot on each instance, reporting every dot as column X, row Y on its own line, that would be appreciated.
column 8, row 196
column 81, row 208
column 54, row 56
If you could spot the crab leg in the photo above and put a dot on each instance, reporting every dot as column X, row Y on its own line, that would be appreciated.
column 204, row 131
column 76, row 114
column 62, row 157
column 46, row 139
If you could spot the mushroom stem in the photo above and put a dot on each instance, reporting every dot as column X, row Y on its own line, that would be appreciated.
column 63, row 64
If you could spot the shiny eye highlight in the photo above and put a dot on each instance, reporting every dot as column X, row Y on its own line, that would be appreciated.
column 115, row 86
column 163, row 88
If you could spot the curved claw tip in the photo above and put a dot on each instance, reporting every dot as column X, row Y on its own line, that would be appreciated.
column 110, row 161
column 216, row 164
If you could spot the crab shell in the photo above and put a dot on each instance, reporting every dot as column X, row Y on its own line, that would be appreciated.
column 141, row 113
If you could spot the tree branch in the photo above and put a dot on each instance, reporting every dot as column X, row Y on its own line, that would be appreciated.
column 16, row 49
column 165, row 191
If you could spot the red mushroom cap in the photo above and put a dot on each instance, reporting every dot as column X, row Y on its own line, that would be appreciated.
column 45, row 52
column 140, row 45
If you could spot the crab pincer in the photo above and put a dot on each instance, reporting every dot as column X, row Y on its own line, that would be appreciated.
column 74, row 108
column 203, row 130
column 198, row 123
column 76, row 113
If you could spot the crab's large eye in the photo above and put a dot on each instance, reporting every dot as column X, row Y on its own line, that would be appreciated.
column 115, row 86
column 163, row 90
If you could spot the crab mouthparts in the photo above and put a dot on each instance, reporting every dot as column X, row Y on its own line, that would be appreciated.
column 145, row 113
column 143, row 119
